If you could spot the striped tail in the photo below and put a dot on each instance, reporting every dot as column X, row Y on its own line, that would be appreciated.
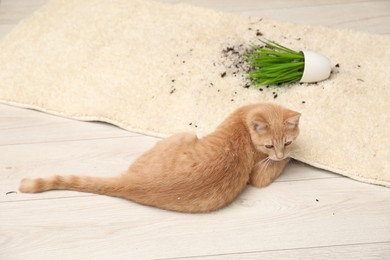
column 106, row 186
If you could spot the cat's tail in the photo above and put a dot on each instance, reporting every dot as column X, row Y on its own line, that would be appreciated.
column 109, row 186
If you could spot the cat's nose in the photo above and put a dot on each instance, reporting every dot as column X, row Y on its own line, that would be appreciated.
column 279, row 155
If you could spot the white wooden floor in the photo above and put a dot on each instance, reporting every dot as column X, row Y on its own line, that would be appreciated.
column 306, row 214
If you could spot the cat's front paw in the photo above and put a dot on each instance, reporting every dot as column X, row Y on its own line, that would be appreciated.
column 260, row 181
column 27, row 186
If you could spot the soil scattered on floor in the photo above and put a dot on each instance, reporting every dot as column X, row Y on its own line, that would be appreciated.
column 233, row 59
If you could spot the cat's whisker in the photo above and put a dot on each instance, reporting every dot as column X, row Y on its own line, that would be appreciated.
column 264, row 160
column 264, row 163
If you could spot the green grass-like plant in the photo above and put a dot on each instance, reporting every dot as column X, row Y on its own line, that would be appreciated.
column 274, row 64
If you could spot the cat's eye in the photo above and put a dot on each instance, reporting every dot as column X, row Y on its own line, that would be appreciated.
column 268, row 146
column 288, row 143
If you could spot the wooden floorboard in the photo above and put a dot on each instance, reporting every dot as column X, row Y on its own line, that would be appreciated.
column 306, row 214
column 25, row 126
column 351, row 251
column 359, row 15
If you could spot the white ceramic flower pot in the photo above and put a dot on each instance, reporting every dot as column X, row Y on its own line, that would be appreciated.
column 317, row 67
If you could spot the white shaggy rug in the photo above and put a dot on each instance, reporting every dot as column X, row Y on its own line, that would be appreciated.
column 158, row 69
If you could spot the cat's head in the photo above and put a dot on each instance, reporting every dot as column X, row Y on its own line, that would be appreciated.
column 273, row 129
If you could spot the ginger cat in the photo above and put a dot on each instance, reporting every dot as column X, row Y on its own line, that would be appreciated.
column 187, row 174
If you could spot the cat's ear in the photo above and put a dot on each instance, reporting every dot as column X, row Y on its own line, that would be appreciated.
column 259, row 124
column 293, row 120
